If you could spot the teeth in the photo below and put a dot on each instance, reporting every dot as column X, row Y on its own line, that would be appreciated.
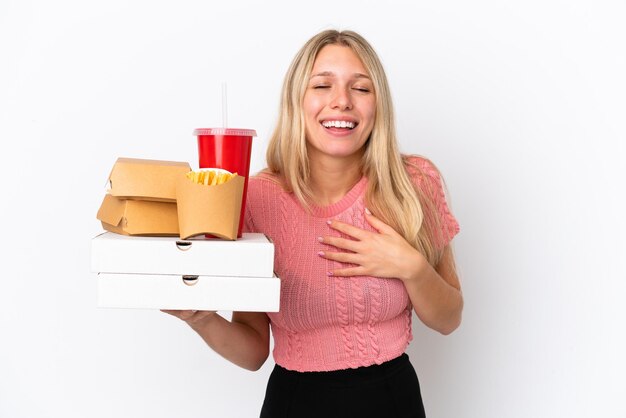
column 338, row 124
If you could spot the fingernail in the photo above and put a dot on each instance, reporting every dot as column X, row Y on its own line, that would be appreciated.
column 330, row 273
column 320, row 239
column 329, row 222
column 368, row 211
column 320, row 253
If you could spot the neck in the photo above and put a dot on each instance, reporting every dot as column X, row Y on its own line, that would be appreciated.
column 332, row 179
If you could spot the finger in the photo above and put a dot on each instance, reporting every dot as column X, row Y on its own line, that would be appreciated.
column 200, row 316
column 347, row 229
column 341, row 257
column 187, row 315
column 377, row 224
column 180, row 314
column 172, row 312
column 343, row 243
column 348, row 272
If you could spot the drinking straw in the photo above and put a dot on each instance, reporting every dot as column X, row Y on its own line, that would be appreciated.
column 224, row 107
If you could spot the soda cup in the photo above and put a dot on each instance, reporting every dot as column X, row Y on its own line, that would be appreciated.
column 229, row 149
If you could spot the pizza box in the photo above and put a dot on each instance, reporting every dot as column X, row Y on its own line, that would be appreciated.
column 252, row 255
column 214, row 293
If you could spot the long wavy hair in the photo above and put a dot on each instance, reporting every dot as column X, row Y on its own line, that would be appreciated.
column 390, row 194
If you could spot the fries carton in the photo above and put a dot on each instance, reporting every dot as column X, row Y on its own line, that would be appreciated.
column 206, row 207
column 138, row 217
column 141, row 179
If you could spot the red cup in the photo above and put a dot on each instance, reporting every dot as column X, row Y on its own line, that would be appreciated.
column 228, row 149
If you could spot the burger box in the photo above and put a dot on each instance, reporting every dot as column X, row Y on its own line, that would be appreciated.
column 141, row 179
column 138, row 217
column 141, row 197
column 198, row 273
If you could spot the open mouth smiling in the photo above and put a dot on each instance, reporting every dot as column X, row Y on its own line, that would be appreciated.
column 341, row 124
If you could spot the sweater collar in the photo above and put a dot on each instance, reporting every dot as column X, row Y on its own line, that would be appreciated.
column 343, row 204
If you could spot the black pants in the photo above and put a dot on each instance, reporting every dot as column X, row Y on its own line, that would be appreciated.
column 389, row 390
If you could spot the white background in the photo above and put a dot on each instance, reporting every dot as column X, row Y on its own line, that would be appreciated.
column 520, row 104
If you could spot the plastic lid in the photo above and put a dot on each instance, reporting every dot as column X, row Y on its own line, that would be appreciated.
column 225, row 131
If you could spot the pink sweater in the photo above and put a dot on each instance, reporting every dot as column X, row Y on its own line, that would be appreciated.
column 331, row 323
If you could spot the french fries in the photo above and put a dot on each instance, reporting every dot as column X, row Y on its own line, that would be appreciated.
column 210, row 177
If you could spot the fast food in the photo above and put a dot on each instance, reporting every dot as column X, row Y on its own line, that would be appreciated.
column 210, row 177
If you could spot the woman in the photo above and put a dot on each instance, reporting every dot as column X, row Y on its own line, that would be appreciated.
column 361, row 237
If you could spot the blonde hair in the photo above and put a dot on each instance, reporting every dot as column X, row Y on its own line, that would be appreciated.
column 390, row 195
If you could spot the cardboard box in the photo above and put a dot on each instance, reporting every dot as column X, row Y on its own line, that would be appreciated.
column 138, row 217
column 213, row 210
column 250, row 256
column 155, row 180
column 217, row 293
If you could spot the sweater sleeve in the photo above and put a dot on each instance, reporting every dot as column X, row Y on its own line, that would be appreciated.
column 428, row 178
column 261, row 199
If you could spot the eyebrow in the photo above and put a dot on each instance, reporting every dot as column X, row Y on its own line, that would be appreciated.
column 331, row 74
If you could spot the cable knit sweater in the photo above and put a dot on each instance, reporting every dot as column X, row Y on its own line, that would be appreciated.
column 331, row 323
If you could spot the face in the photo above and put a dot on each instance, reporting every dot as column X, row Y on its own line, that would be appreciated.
column 339, row 105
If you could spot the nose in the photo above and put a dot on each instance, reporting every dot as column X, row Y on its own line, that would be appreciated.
column 341, row 99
